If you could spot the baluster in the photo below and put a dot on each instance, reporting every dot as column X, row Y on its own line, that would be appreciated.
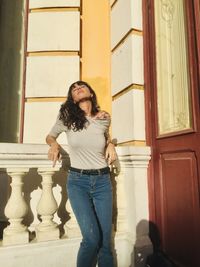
column 71, row 227
column 47, row 206
column 15, row 210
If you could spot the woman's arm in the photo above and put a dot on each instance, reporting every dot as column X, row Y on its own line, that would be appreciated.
column 110, row 153
column 54, row 150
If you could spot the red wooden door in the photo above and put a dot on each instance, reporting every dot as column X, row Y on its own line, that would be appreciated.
column 172, row 51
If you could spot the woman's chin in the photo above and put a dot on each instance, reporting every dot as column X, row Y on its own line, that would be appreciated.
column 83, row 99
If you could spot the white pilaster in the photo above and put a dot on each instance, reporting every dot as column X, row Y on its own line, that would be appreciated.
column 121, row 205
column 133, row 201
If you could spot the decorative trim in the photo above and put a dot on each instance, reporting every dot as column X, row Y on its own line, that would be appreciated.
column 53, row 9
column 133, row 143
column 127, row 89
column 45, row 99
column 52, row 53
column 130, row 32
column 25, row 25
column 132, row 156
column 167, row 11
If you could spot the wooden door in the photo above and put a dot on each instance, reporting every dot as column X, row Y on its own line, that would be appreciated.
column 171, row 50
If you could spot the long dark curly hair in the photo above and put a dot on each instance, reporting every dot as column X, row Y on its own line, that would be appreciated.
column 71, row 114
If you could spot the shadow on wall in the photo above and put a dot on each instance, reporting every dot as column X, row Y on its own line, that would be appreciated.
column 158, row 258
column 4, row 181
column 147, row 251
column 115, row 170
column 143, row 245
column 32, row 193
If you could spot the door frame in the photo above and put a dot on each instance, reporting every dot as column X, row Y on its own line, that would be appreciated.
column 193, row 31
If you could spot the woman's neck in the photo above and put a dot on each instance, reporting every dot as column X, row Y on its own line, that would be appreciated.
column 86, row 106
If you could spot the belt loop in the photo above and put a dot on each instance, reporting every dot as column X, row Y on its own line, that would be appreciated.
column 99, row 171
column 81, row 172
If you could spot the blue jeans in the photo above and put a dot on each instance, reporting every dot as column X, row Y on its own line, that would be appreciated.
column 91, row 200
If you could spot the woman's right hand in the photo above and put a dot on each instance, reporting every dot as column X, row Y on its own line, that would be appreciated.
column 54, row 153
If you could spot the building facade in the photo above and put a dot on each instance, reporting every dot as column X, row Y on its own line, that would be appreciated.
column 142, row 59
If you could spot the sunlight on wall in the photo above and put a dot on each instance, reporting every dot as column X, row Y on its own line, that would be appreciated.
column 96, row 49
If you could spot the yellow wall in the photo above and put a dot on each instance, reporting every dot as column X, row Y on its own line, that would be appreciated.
column 96, row 50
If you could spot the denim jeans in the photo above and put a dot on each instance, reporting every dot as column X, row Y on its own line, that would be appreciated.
column 91, row 200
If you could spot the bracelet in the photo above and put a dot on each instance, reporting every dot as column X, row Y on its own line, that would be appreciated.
column 110, row 142
column 55, row 144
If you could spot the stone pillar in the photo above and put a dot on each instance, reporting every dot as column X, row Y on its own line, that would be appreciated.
column 134, row 200
column 121, row 205
column 47, row 206
column 71, row 227
column 15, row 210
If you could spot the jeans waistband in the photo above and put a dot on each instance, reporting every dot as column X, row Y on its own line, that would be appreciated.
column 91, row 171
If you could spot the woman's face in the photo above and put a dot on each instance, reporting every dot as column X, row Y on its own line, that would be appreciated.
column 80, row 92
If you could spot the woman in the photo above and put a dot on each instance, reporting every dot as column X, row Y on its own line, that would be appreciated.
column 88, row 185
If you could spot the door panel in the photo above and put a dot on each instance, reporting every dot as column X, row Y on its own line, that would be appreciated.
column 179, row 204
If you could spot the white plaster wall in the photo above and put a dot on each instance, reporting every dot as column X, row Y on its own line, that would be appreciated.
column 135, row 186
column 53, row 3
column 127, row 64
column 128, row 122
column 140, row 187
column 125, row 252
column 53, row 31
column 51, row 76
column 125, row 15
column 129, row 192
column 39, row 119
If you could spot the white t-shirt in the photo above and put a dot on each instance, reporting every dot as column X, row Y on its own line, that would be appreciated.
column 87, row 146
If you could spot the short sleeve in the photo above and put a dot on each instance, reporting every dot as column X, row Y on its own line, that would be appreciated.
column 106, row 124
column 58, row 128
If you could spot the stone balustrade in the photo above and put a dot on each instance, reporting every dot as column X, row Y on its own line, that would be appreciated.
column 37, row 209
column 16, row 162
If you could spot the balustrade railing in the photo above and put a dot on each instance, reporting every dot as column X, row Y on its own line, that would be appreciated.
column 16, row 161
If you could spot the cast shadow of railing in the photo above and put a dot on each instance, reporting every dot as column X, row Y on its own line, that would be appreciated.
column 115, row 171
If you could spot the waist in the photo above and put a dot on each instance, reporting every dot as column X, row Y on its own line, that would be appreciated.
column 91, row 171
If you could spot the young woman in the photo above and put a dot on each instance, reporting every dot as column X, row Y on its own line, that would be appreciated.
column 88, row 185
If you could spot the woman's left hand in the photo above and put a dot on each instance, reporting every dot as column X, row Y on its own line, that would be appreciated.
column 110, row 154
column 102, row 115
